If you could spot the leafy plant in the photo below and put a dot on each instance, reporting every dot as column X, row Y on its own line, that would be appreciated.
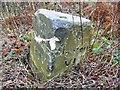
column 100, row 45
column 116, row 57
column 9, row 55
column 24, row 37
column 97, row 49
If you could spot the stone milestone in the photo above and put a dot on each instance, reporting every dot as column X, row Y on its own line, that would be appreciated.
column 56, row 42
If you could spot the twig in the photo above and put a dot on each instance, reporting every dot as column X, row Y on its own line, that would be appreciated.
column 80, row 20
column 98, row 29
column 84, row 86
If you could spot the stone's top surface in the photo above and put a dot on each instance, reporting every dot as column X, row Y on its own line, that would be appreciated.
column 57, row 17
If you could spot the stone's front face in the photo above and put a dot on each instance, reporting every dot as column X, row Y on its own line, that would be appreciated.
column 56, row 42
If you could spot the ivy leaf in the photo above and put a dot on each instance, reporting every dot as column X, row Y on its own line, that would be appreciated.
column 108, row 47
column 95, row 45
column 116, row 53
column 4, row 58
column 115, row 63
column 104, row 39
column 116, row 57
column 9, row 55
column 21, row 37
column 24, row 37
column 97, row 50
column 100, row 50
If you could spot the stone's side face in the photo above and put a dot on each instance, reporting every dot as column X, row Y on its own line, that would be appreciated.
column 56, row 41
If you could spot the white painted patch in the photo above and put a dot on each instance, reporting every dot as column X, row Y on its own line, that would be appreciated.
column 39, row 39
column 52, row 41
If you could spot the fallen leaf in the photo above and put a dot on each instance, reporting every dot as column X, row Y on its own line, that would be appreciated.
column 4, row 53
column 17, row 50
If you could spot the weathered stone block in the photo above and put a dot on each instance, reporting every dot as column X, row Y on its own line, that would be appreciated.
column 56, row 41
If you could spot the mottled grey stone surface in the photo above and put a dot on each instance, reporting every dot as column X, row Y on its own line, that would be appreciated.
column 56, row 41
